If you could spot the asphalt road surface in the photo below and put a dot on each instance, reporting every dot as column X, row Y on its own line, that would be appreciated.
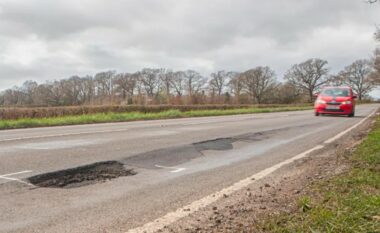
column 156, row 166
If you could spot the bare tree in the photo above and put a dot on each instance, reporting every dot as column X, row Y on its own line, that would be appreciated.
column 150, row 81
column 377, row 33
column 376, row 66
column 178, row 82
column 236, row 85
column 29, row 89
column 2, row 98
column 358, row 76
column 258, row 85
column 51, row 94
column 87, row 89
column 218, row 82
column 309, row 75
column 258, row 82
column 286, row 93
column 11, row 97
column 166, row 77
column 72, row 91
column 194, row 82
column 20, row 96
column 104, row 84
column 125, row 84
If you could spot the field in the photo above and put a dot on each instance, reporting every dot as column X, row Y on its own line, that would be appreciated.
column 42, row 117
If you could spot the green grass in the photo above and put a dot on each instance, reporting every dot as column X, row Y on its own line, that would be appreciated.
column 347, row 203
column 133, row 116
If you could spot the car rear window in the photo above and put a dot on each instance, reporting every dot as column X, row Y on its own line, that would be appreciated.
column 336, row 92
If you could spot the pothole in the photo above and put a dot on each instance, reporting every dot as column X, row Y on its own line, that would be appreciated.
column 215, row 144
column 221, row 144
column 82, row 176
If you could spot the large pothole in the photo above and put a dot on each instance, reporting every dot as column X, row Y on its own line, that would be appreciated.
column 82, row 176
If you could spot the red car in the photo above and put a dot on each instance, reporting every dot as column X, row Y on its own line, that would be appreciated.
column 335, row 100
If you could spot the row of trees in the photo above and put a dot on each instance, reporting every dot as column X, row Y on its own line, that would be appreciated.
column 162, row 86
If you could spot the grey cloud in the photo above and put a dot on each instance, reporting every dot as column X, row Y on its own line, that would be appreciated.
column 91, row 35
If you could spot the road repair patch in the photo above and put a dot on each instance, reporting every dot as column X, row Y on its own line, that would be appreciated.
column 82, row 176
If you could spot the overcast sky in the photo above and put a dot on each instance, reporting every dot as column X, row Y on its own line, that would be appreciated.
column 46, row 40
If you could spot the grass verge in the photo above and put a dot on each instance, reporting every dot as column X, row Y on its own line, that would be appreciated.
column 347, row 203
column 133, row 116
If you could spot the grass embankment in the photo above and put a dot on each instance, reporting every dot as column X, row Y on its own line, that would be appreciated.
column 347, row 203
column 134, row 116
column 14, row 113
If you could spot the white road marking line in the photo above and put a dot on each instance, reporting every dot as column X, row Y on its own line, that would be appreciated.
column 61, row 135
column 16, row 173
column 336, row 137
column 17, row 180
column 182, row 212
column 172, row 217
column 175, row 169
column 6, row 177
column 178, row 170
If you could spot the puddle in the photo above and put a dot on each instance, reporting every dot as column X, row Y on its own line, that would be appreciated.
column 82, row 176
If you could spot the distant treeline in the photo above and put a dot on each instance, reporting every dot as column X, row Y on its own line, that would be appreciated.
column 259, row 85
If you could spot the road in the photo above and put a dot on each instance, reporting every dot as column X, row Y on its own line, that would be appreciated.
column 174, row 162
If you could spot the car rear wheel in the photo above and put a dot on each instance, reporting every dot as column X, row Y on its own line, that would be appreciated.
column 316, row 113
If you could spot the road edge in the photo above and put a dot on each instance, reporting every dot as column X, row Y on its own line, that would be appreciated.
column 172, row 217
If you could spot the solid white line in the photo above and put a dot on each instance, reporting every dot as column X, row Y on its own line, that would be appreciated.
column 6, row 177
column 178, row 170
column 336, row 137
column 175, row 169
column 172, row 217
column 61, row 135
column 182, row 212
column 16, row 173
column 17, row 180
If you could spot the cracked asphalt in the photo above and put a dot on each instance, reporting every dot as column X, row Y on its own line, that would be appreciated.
column 176, row 162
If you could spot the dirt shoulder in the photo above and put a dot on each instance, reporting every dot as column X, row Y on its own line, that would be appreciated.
column 278, row 199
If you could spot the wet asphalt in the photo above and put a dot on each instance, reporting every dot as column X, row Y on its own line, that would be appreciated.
column 174, row 162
